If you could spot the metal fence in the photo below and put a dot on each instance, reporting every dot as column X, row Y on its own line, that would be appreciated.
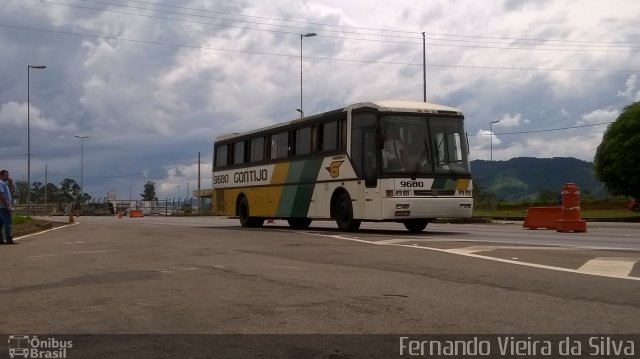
column 192, row 206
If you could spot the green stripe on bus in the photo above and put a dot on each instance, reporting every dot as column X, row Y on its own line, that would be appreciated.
column 295, row 199
column 443, row 183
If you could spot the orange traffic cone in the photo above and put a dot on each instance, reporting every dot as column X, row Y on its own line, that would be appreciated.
column 71, row 220
column 571, row 220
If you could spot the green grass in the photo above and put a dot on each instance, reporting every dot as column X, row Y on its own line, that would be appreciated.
column 587, row 213
column 20, row 219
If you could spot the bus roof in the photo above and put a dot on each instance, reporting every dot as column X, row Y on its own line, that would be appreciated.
column 382, row 106
column 407, row 106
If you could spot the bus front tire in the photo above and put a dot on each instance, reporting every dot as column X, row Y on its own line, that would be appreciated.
column 245, row 219
column 416, row 225
column 299, row 223
column 344, row 214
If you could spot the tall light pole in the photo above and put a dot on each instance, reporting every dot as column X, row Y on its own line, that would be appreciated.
column 309, row 34
column 82, row 138
column 29, row 67
column 424, row 68
column 491, row 148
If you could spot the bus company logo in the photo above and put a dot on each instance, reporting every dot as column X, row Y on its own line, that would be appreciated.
column 24, row 346
column 334, row 169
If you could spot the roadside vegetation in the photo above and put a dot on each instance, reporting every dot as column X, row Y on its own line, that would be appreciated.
column 593, row 209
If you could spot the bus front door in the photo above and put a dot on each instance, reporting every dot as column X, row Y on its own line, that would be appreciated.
column 371, row 182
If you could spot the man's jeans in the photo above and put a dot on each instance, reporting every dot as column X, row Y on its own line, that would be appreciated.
column 5, row 216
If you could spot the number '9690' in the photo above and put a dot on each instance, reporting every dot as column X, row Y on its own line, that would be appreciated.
column 411, row 184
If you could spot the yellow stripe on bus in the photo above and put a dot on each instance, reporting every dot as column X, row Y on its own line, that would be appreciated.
column 463, row 184
column 280, row 173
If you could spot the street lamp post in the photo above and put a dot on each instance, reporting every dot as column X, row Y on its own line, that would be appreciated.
column 82, row 138
column 309, row 34
column 491, row 134
column 29, row 67
column 424, row 68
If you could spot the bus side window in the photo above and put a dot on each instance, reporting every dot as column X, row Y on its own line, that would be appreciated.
column 303, row 141
column 257, row 149
column 238, row 153
column 315, row 134
column 370, row 158
column 356, row 150
column 280, row 145
column 329, row 136
column 221, row 156
column 343, row 134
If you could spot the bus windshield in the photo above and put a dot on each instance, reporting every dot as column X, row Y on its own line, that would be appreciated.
column 422, row 145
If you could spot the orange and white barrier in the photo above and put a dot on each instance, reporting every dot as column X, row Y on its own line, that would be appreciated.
column 136, row 213
column 571, row 220
column 542, row 217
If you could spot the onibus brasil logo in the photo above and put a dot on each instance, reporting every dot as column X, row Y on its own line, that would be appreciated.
column 25, row 346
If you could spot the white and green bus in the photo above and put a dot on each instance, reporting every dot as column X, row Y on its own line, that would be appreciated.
column 390, row 161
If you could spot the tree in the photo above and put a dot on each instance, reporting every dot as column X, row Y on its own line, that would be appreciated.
column 21, row 192
column 617, row 160
column 37, row 191
column 69, row 190
column 546, row 196
column 149, row 193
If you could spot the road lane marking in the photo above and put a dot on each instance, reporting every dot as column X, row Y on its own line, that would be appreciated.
column 494, row 259
column 45, row 231
column 609, row 266
column 476, row 249
column 67, row 253
column 533, row 265
column 174, row 269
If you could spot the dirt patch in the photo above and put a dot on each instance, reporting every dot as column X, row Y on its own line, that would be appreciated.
column 35, row 226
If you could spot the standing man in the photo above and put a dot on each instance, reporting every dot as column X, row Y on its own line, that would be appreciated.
column 5, row 206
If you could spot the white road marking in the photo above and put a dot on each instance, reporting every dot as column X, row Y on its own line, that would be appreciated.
column 461, row 253
column 618, row 266
column 48, row 230
column 175, row 269
column 67, row 253
column 476, row 249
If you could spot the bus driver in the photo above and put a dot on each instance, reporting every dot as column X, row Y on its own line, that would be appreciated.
column 393, row 151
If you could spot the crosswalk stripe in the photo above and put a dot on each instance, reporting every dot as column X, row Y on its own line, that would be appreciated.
column 609, row 266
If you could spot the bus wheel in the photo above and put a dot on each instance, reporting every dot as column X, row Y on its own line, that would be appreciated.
column 344, row 214
column 299, row 223
column 416, row 225
column 243, row 214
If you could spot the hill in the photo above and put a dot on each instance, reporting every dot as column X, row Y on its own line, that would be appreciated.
column 524, row 178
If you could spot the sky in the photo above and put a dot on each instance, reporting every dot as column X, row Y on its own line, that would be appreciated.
column 152, row 83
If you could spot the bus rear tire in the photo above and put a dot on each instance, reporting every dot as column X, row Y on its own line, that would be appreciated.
column 243, row 213
column 299, row 223
column 415, row 225
column 344, row 214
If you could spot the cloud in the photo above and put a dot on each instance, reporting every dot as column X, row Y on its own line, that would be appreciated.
column 599, row 116
column 509, row 120
column 630, row 92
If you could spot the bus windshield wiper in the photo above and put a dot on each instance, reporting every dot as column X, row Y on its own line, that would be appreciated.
column 453, row 172
column 423, row 156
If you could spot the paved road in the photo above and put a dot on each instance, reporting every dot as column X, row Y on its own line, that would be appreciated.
column 204, row 275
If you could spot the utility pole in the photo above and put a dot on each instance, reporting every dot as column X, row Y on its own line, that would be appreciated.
column 199, row 194
column 46, row 212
